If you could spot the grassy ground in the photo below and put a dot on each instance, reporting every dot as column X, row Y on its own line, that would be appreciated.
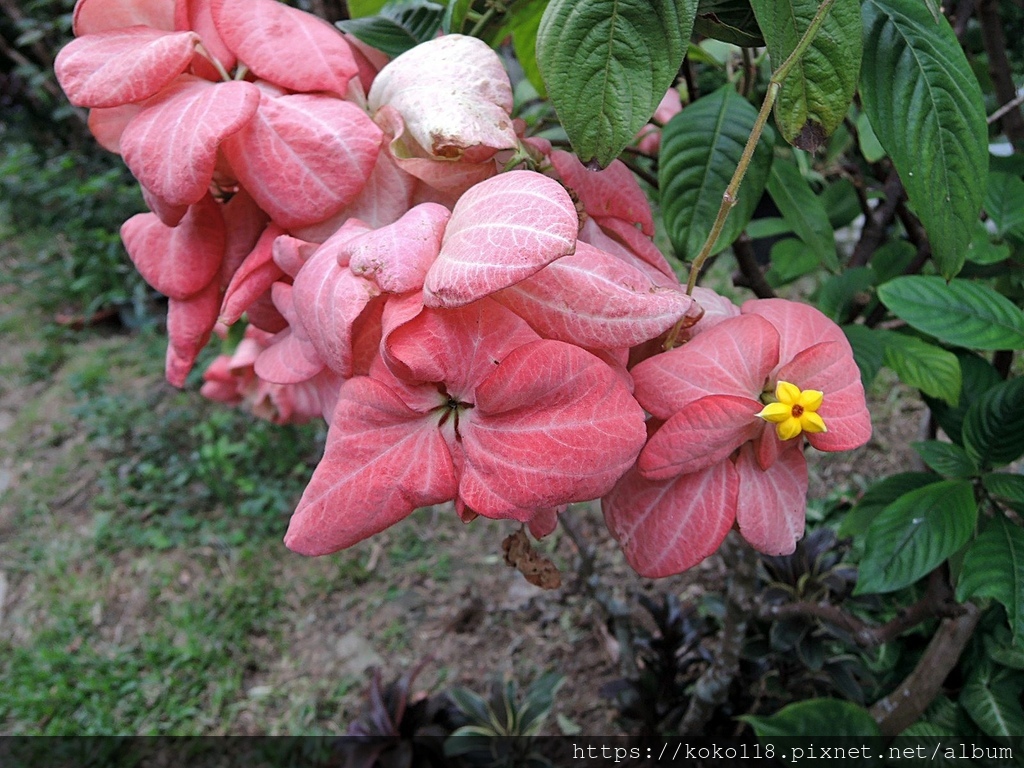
column 144, row 588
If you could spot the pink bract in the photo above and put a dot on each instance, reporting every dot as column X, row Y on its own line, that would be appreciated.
column 709, row 393
column 485, row 412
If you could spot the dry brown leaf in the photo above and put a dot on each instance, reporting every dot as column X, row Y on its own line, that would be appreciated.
column 538, row 570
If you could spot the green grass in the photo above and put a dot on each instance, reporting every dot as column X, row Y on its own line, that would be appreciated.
column 145, row 549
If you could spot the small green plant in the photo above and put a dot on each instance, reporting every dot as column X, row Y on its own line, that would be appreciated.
column 501, row 728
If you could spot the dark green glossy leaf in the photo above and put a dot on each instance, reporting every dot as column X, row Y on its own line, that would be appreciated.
column 977, row 376
column 931, row 369
column 881, row 495
column 804, row 211
column 837, row 295
column 816, row 94
column 993, row 429
column 925, row 105
column 1006, row 486
column 914, row 534
column 892, row 259
column 700, row 148
column 815, row 718
column 994, row 567
column 982, row 250
column 607, row 64
column 841, row 203
column 868, row 350
column 945, row 458
column 400, row 26
column 1004, row 202
column 868, row 141
column 790, row 259
column 731, row 21
column 961, row 312
column 992, row 699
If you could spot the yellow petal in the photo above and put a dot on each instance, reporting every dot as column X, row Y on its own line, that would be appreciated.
column 776, row 412
column 811, row 399
column 787, row 393
column 812, row 422
column 788, row 429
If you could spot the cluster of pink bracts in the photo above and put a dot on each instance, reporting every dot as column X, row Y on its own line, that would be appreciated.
column 470, row 333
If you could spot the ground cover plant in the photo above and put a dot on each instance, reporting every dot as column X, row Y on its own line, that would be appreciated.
column 460, row 273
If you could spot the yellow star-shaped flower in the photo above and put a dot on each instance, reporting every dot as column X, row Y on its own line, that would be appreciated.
column 795, row 411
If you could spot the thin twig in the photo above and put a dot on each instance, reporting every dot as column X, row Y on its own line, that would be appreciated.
column 589, row 580
column 750, row 269
column 732, row 191
column 711, row 689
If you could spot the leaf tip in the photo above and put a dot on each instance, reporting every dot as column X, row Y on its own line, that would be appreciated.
column 811, row 136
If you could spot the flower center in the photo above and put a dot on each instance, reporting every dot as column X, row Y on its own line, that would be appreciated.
column 794, row 411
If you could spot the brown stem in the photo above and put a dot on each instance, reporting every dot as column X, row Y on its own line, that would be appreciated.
column 589, row 581
column 873, row 234
column 964, row 11
column 937, row 601
column 903, row 706
column 753, row 277
column 712, row 688
column 999, row 69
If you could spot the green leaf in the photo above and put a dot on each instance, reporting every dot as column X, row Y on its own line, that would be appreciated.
column 400, row 26
column 768, row 227
column 982, row 250
column 881, row 495
column 700, row 149
column 962, row 313
column 977, row 377
column 837, row 295
column 360, row 8
column 868, row 141
column 991, row 698
column 892, row 259
column 931, row 369
column 815, row 718
column 945, row 458
column 804, row 211
column 790, row 259
column 731, row 21
column 993, row 430
column 1006, row 486
column 994, row 567
column 914, row 534
column 455, row 16
column 868, row 350
column 840, row 200
column 607, row 64
column 524, row 24
column 925, row 105
column 1004, row 202
column 816, row 94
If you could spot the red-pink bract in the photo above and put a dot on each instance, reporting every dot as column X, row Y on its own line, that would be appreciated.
column 289, row 47
column 302, row 157
column 484, row 411
column 171, row 145
column 121, row 66
column 502, row 231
